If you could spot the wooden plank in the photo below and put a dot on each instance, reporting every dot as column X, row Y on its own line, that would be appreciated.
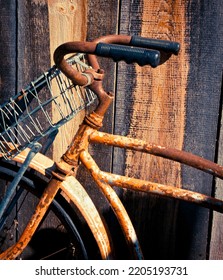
column 33, row 58
column 7, row 61
column 32, row 39
column 98, row 24
column 204, row 31
column 151, row 107
column 216, row 244
column 87, row 21
column 170, row 105
column 33, row 36
column 8, row 48
column 67, row 22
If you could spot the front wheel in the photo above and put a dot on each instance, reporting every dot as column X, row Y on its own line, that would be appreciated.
column 60, row 234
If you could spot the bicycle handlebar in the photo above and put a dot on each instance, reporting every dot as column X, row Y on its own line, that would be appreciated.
column 118, row 47
column 128, row 54
column 160, row 45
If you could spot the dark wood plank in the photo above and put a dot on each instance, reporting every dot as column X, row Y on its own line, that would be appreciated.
column 101, row 23
column 7, row 61
column 98, row 24
column 150, row 106
column 7, row 49
column 33, row 40
column 216, row 245
column 33, row 57
column 33, row 45
column 176, row 105
column 202, row 118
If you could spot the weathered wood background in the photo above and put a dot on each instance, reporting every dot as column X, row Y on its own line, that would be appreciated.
column 177, row 104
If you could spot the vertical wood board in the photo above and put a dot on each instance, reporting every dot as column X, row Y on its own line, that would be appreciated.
column 100, row 23
column 32, row 37
column 67, row 22
column 177, row 104
column 204, row 36
column 216, row 242
column 152, row 108
column 7, row 49
column 8, row 55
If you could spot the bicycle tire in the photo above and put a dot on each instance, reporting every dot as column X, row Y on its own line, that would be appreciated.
column 63, row 241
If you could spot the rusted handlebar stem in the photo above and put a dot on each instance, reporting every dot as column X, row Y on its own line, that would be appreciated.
column 84, row 47
column 95, row 75
column 68, row 70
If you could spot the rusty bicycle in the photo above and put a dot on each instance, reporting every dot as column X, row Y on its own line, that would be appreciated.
column 72, row 85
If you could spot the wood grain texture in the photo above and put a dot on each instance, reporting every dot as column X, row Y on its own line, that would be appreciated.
column 204, row 35
column 32, row 36
column 103, row 18
column 7, row 49
column 8, row 55
column 216, row 241
column 67, row 22
column 177, row 104
column 159, row 94
column 153, row 109
column 100, row 23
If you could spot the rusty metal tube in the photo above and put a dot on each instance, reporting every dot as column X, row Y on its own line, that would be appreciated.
column 84, row 47
column 161, row 190
column 68, row 70
column 96, row 74
column 157, row 150
column 155, row 188
column 116, row 204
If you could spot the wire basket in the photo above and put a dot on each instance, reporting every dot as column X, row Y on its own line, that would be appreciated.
column 46, row 104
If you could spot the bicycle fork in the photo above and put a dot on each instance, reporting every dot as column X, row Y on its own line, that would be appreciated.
column 13, row 185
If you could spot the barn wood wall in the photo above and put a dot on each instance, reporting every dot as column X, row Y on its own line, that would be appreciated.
column 177, row 104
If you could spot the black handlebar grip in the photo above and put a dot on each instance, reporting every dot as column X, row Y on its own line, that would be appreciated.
column 160, row 45
column 128, row 54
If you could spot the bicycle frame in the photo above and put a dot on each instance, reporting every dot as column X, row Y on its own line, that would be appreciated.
column 78, row 152
column 62, row 175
